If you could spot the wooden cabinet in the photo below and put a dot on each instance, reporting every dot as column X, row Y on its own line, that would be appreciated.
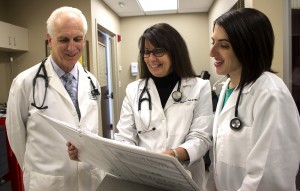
column 13, row 38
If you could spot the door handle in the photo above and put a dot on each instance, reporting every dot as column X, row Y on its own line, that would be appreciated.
column 111, row 95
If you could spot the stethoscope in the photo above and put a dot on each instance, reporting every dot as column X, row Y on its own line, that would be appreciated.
column 235, row 122
column 44, row 76
column 176, row 95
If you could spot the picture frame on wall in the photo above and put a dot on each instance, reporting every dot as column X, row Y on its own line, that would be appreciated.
column 84, row 59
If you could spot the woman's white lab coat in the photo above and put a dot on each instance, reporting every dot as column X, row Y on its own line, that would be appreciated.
column 186, row 124
column 40, row 150
column 264, row 155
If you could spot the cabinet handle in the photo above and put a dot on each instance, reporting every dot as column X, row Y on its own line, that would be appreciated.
column 15, row 42
column 9, row 42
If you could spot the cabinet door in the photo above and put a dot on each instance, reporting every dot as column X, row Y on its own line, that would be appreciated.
column 19, row 37
column 4, row 37
column 13, row 37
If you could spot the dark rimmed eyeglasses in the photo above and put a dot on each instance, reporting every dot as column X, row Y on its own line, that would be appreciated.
column 157, row 52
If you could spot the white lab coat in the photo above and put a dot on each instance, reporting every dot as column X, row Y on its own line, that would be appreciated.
column 264, row 155
column 40, row 150
column 187, row 124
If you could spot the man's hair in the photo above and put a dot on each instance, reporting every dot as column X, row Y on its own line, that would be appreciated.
column 61, row 11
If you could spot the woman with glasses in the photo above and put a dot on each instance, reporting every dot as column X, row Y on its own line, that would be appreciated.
column 168, row 110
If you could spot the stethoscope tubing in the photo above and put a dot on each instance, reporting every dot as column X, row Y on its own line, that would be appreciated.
column 176, row 95
column 236, row 123
column 94, row 91
column 45, row 77
column 141, row 98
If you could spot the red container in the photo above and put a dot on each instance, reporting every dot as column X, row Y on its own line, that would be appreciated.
column 15, row 174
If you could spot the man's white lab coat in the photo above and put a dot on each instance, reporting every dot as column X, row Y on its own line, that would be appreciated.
column 40, row 150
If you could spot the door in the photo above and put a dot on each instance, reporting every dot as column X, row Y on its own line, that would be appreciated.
column 104, row 78
column 296, row 54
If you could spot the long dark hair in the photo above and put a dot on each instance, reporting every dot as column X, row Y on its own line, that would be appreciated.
column 163, row 35
column 252, row 38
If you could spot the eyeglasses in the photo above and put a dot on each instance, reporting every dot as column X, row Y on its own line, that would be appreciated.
column 157, row 52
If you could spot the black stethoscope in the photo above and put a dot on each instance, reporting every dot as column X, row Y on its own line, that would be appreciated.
column 236, row 123
column 176, row 95
column 94, row 91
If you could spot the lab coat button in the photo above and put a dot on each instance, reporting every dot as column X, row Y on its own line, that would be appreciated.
column 74, row 113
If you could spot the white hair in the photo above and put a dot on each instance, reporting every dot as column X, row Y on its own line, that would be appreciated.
column 60, row 11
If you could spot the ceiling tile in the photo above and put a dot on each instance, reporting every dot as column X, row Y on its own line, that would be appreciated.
column 187, row 6
column 132, row 7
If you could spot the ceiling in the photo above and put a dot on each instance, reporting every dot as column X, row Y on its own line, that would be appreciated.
column 133, row 8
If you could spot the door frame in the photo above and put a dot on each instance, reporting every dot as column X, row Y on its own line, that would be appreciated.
column 114, row 72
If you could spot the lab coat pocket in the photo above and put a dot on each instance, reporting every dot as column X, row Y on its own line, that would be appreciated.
column 40, row 182
column 236, row 147
column 96, row 176
column 181, row 117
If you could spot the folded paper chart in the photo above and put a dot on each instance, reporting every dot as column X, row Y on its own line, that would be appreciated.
column 124, row 161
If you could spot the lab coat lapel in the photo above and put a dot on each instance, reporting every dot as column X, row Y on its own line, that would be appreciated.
column 219, row 107
column 83, row 81
column 220, row 100
column 230, row 104
column 55, row 82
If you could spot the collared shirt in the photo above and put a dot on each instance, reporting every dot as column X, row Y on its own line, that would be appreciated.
column 60, row 74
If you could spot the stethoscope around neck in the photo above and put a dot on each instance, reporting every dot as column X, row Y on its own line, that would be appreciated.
column 235, row 122
column 176, row 95
column 44, row 76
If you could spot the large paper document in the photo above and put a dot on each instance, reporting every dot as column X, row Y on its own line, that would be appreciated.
column 126, row 162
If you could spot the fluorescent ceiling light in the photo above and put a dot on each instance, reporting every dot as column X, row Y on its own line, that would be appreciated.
column 158, row 5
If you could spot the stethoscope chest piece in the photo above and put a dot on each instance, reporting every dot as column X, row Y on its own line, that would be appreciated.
column 235, row 123
column 177, row 95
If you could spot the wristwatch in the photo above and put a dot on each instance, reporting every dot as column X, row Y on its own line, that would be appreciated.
column 175, row 153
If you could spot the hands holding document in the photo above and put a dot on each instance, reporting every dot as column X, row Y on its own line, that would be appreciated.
column 73, row 152
column 125, row 161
